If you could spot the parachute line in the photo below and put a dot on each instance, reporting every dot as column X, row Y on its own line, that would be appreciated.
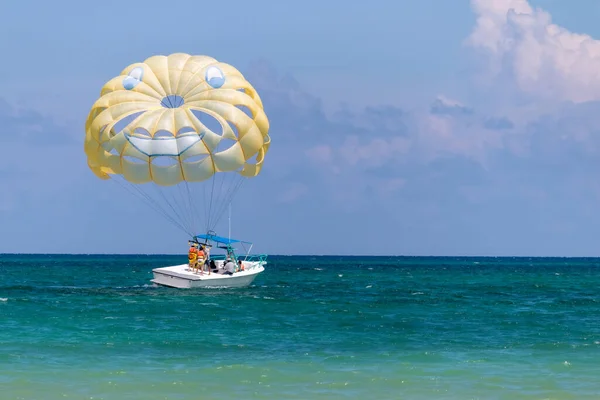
column 180, row 205
column 151, row 202
column 212, row 192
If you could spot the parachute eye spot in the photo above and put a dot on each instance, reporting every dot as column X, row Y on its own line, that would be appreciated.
column 133, row 78
column 214, row 77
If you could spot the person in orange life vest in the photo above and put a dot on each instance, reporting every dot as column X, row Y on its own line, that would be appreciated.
column 201, row 258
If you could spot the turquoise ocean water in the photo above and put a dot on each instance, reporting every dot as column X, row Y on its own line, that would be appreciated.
column 93, row 327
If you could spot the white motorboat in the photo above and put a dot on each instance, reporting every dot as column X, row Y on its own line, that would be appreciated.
column 215, row 276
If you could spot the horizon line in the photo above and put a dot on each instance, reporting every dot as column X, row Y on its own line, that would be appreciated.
column 298, row 255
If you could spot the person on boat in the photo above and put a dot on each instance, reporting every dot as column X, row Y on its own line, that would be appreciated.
column 230, row 254
column 212, row 266
column 207, row 259
column 229, row 267
column 192, row 256
column 201, row 259
column 240, row 265
column 207, row 251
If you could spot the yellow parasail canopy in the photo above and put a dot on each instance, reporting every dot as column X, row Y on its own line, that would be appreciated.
column 161, row 102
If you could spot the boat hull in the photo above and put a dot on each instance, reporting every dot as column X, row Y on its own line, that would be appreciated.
column 180, row 277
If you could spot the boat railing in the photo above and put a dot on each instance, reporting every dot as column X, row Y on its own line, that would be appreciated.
column 255, row 259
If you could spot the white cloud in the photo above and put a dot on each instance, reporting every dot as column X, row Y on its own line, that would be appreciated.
column 360, row 153
column 375, row 152
column 321, row 154
column 442, row 135
column 545, row 60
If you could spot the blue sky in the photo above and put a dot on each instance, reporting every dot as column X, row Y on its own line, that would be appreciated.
column 417, row 128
